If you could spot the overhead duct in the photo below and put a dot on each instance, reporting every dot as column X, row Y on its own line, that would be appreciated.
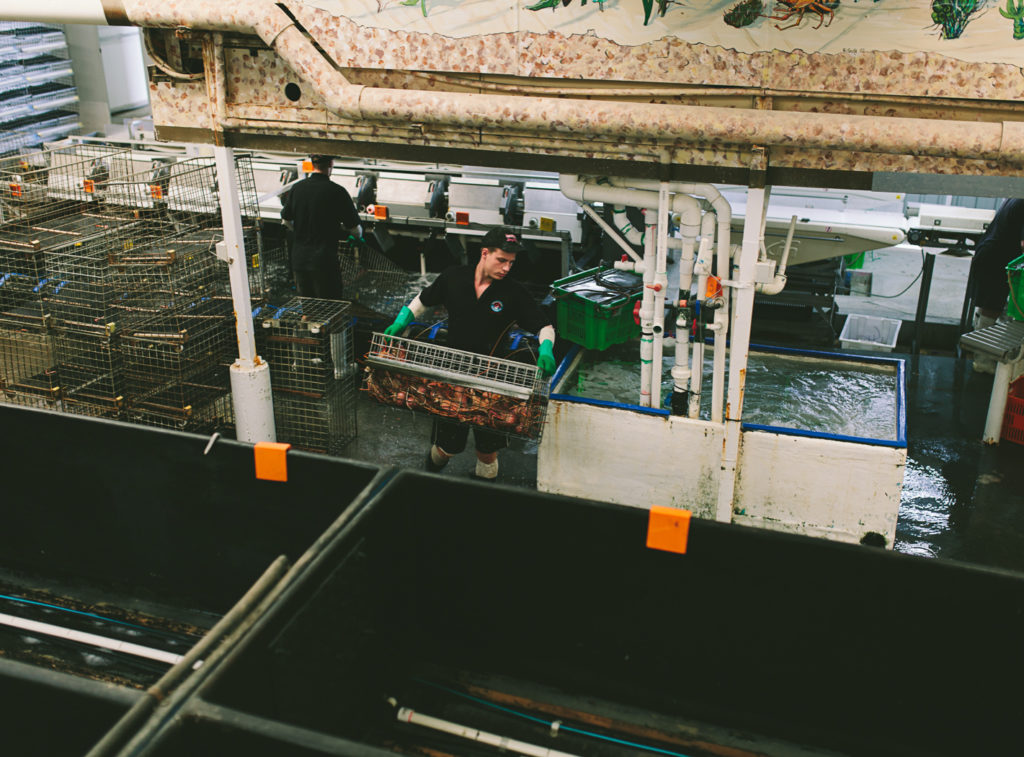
column 272, row 22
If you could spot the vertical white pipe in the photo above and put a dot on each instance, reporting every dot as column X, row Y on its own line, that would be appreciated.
column 997, row 404
column 701, row 268
column 681, row 369
column 723, row 261
column 660, row 285
column 756, row 204
column 647, row 311
column 250, row 376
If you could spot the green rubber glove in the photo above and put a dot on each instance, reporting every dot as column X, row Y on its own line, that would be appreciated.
column 404, row 319
column 546, row 361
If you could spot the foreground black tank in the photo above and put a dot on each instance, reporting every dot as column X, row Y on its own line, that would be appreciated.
column 435, row 615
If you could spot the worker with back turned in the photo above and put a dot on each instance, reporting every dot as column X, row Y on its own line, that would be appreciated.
column 1002, row 242
column 482, row 304
column 320, row 213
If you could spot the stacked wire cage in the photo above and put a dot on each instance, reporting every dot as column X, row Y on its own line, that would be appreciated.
column 375, row 282
column 494, row 393
column 57, row 294
column 308, row 344
column 179, row 337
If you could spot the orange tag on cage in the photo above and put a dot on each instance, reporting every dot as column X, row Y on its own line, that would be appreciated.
column 89, row 186
column 668, row 529
column 15, row 190
column 271, row 461
column 380, row 212
column 714, row 287
column 156, row 191
column 461, row 218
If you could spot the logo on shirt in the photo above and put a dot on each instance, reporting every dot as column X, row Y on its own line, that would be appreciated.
column 497, row 306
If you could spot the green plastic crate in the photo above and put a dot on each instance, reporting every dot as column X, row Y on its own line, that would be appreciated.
column 1015, row 277
column 595, row 307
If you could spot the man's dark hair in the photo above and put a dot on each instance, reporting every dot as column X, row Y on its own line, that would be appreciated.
column 321, row 162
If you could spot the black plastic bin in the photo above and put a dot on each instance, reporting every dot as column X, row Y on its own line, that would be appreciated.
column 115, row 509
column 55, row 714
column 508, row 611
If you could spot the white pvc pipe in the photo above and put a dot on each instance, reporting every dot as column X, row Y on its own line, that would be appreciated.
column 647, row 313
column 407, row 715
column 253, row 402
column 250, row 375
column 740, row 347
column 997, row 403
column 660, row 285
column 91, row 639
column 723, row 212
column 702, row 268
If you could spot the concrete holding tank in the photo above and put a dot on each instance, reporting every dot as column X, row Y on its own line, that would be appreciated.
column 789, row 479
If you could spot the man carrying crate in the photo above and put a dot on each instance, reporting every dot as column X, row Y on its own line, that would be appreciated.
column 482, row 304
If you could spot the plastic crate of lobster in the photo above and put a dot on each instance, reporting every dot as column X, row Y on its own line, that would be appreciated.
column 494, row 393
column 308, row 344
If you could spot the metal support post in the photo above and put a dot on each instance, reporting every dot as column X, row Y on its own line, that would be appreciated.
column 250, row 375
column 922, row 299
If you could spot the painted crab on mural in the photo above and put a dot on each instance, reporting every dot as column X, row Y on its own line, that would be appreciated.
column 787, row 9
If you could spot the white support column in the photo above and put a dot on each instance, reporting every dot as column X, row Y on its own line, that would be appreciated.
column 739, row 349
column 250, row 375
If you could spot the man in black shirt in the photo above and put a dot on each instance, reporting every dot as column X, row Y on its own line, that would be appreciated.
column 482, row 304
column 317, row 210
column 1003, row 242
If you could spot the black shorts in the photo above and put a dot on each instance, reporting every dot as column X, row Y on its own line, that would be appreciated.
column 451, row 437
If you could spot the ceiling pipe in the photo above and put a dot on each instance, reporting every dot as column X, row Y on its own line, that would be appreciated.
column 1002, row 141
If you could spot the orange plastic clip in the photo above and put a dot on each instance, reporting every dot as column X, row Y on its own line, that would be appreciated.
column 714, row 287
column 271, row 461
column 156, row 191
column 89, row 186
column 668, row 529
column 380, row 212
column 461, row 218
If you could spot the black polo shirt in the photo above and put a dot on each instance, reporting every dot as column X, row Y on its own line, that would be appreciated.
column 320, row 211
column 1006, row 230
column 479, row 325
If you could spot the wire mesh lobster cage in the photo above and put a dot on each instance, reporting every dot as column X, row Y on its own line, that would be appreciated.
column 89, row 370
column 178, row 199
column 375, row 282
column 28, row 371
column 178, row 376
column 308, row 343
column 494, row 393
column 51, row 202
